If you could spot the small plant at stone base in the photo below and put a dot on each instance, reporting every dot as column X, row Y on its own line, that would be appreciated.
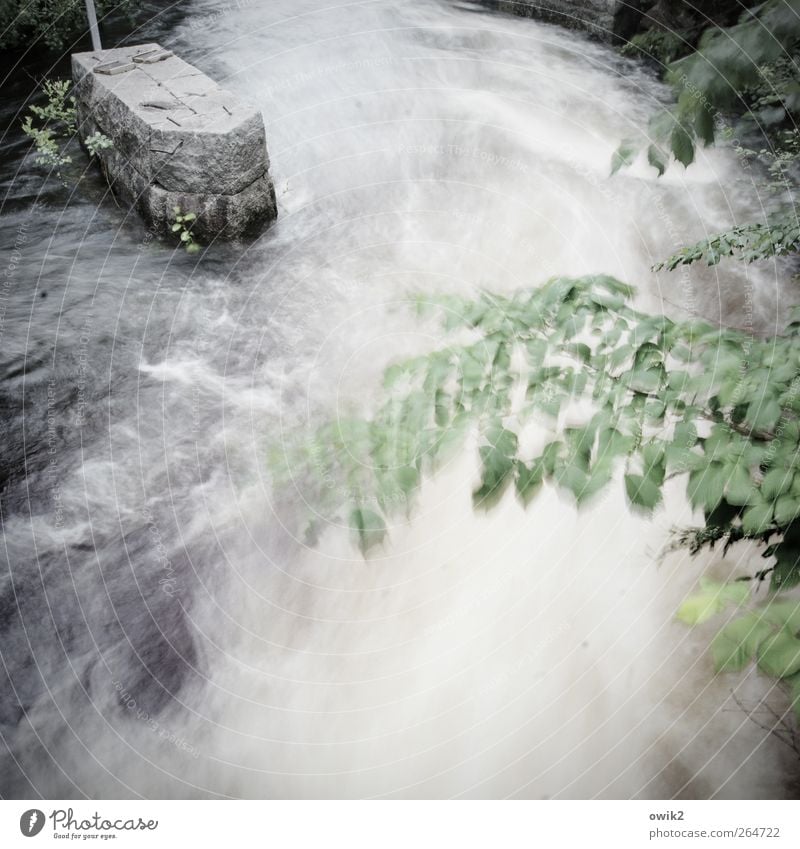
column 183, row 223
column 97, row 142
column 52, row 126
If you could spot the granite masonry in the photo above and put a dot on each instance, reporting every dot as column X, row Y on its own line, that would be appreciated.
column 179, row 140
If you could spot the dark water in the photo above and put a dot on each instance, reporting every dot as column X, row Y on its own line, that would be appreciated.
column 165, row 630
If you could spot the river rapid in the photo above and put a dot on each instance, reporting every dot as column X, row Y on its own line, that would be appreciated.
column 166, row 629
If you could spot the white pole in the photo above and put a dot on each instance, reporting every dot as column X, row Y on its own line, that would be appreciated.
column 92, row 16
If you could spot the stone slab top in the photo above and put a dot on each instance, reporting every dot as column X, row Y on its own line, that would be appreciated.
column 167, row 94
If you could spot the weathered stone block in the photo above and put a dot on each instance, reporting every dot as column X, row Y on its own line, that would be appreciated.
column 179, row 140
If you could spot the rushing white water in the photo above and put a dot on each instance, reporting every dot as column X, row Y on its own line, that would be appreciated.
column 166, row 630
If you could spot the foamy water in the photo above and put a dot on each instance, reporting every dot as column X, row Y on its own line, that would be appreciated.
column 167, row 630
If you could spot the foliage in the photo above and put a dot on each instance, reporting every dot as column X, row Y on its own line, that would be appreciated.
column 616, row 390
column 778, row 236
column 745, row 68
column 51, row 23
column 747, row 71
column 51, row 127
column 661, row 46
column 97, row 142
column 182, row 224
column 767, row 634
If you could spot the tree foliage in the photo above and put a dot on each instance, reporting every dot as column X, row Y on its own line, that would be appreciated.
column 55, row 24
column 644, row 395
column 747, row 69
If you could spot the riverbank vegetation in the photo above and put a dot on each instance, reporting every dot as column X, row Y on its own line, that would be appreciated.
column 52, row 24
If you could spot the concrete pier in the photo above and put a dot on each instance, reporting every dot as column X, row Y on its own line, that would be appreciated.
column 178, row 140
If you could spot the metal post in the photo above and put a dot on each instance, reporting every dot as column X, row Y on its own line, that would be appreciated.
column 92, row 16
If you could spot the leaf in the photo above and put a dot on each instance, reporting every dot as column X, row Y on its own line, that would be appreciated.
column 642, row 491
column 740, row 488
column 657, row 158
column 496, row 471
column 712, row 598
column 682, row 145
column 369, row 526
column 185, row 236
column 176, row 227
column 763, row 414
column 787, row 509
column 779, row 655
column 757, row 518
column 706, row 486
column 645, row 380
column 613, row 443
column 407, row 478
column 441, row 408
column 575, row 479
column 783, row 613
column 775, row 483
column 529, row 480
column 624, row 155
column 505, row 441
column 738, row 641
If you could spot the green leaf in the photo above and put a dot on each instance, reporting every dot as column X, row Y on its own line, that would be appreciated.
column 505, row 441
column 176, row 227
column 496, row 472
column 740, row 488
column 757, row 518
column 706, row 486
column 575, row 479
column 738, row 641
column 787, row 509
column 369, row 527
column 712, row 598
column 779, row 655
column 682, row 145
column 529, row 480
column 624, row 155
column 784, row 614
column 775, row 483
column 763, row 414
column 657, row 158
column 642, row 491
column 407, row 478
column 645, row 380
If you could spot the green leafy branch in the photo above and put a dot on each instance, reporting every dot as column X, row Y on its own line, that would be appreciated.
column 653, row 398
column 767, row 634
column 52, row 127
column 671, row 398
column 779, row 236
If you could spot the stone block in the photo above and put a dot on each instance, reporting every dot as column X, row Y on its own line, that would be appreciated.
column 178, row 140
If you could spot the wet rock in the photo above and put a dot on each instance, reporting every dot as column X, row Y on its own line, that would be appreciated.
column 609, row 20
column 178, row 140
